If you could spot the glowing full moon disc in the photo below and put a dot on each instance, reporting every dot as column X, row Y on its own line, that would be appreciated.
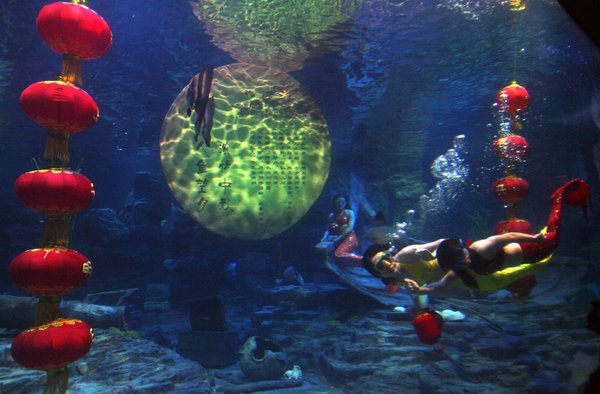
column 268, row 158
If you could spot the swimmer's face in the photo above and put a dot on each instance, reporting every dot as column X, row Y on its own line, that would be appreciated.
column 385, row 265
column 462, row 262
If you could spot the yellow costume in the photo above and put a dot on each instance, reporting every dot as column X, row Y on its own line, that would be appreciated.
column 429, row 271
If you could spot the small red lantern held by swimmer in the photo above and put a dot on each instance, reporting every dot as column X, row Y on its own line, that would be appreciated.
column 428, row 325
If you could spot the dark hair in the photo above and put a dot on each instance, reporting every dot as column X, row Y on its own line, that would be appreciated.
column 451, row 251
column 367, row 262
column 335, row 197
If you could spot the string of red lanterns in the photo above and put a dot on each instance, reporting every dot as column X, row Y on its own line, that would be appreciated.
column 512, row 101
column 52, row 270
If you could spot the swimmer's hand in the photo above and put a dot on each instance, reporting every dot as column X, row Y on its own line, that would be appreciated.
column 539, row 238
column 424, row 254
column 413, row 286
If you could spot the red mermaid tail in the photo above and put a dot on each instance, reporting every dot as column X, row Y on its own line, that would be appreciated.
column 575, row 192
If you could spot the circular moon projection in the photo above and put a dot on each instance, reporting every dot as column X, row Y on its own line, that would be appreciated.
column 268, row 158
column 281, row 34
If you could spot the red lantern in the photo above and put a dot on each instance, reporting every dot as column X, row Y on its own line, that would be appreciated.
column 52, row 346
column 60, row 106
column 513, row 225
column 428, row 325
column 54, row 192
column 513, row 98
column 511, row 147
column 76, row 32
column 74, row 29
column 49, row 271
column 510, row 189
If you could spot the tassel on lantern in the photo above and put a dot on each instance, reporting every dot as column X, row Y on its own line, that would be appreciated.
column 57, row 381
column 57, row 148
column 71, row 69
column 516, row 122
column 56, row 231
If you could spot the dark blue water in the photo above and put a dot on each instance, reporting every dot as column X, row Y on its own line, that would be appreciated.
column 401, row 81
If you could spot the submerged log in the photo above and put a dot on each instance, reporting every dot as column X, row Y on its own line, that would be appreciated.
column 19, row 312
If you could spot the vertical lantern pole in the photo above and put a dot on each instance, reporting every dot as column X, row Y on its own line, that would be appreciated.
column 512, row 149
column 77, row 33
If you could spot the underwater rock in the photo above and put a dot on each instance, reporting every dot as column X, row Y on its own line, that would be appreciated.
column 148, row 203
column 82, row 368
column 101, row 226
column 131, row 299
column 157, row 296
column 117, row 364
column 311, row 294
column 291, row 276
column 255, row 271
column 262, row 359
column 344, row 370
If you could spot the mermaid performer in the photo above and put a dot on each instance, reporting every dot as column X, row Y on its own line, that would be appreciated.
column 340, row 231
column 489, row 264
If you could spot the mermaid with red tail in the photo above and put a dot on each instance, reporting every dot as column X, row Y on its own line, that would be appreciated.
column 500, row 253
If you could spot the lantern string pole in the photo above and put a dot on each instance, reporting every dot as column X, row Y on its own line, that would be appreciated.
column 57, row 381
column 56, row 231
column 47, row 310
column 515, row 122
column 512, row 210
column 56, row 149
column 71, row 69
column 512, row 31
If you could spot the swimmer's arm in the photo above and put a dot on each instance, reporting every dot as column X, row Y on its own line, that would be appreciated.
column 417, row 253
column 326, row 235
column 414, row 287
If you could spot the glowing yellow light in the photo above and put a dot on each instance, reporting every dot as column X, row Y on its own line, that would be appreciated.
column 268, row 159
